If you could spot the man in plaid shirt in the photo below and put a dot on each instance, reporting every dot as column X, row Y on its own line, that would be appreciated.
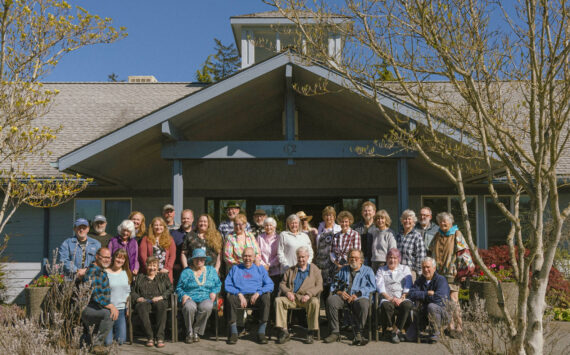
column 100, row 312
column 344, row 240
column 227, row 227
column 411, row 244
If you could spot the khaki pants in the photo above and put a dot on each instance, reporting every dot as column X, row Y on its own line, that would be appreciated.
column 282, row 304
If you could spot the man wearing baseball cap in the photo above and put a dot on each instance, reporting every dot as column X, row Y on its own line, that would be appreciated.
column 168, row 215
column 98, row 230
column 78, row 252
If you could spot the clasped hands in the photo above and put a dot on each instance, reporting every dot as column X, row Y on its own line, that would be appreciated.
column 345, row 296
column 291, row 297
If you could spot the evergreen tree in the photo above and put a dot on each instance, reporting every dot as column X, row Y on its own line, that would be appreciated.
column 220, row 65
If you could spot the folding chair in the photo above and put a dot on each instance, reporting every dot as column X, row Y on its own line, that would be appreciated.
column 172, row 308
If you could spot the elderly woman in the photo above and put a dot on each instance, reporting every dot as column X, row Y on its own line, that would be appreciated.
column 268, row 244
column 140, row 225
column 393, row 282
column 158, row 243
column 327, row 229
column 444, row 248
column 126, row 242
column 150, row 292
column 197, row 289
column 290, row 240
column 206, row 237
column 238, row 241
column 344, row 240
column 383, row 239
column 411, row 244
column 120, row 279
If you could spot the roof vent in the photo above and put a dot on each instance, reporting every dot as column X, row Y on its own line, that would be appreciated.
column 142, row 79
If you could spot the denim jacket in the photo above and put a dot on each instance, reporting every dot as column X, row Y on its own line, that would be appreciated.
column 364, row 281
column 70, row 254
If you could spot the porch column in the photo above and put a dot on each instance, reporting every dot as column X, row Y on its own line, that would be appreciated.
column 481, row 225
column 177, row 189
column 403, row 194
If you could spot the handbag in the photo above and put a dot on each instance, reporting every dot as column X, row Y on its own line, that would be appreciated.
column 464, row 261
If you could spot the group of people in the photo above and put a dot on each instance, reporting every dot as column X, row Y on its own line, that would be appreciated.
column 253, row 266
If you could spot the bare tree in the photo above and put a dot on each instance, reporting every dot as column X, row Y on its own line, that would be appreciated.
column 491, row 85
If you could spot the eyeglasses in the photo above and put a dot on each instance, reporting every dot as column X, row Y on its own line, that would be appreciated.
column 104, row 257
column 239, row 224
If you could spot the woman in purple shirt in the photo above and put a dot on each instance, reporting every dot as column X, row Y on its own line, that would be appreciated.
column 125, row 240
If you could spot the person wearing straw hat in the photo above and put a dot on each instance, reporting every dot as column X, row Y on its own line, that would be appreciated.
column 258, row 218
column 196, row 290
column 226, row 227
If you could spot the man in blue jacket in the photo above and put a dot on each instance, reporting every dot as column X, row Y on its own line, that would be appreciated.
column 351, row 287
column 431, row 290
column 248, row 285
column 78, row 252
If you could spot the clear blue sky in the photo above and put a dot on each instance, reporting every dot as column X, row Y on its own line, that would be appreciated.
column 169, row 39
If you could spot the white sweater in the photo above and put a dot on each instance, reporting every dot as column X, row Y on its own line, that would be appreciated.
column 288, row 245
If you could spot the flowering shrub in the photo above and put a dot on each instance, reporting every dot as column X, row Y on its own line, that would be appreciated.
column 500, row 272
column 47, row 281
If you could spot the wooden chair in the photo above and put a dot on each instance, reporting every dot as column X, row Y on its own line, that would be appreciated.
column 289, row 316
column 172, row 308
column 412, row 315
column 369, row 316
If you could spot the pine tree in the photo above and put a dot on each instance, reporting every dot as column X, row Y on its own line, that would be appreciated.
column 220, row 65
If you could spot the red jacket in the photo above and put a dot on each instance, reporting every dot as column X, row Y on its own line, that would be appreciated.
column 145, row 250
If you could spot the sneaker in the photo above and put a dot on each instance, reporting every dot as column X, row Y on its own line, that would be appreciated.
column 261, row 338
column 309, row 339
column 402, row 337
column 332, row 338
column 196, row 337
column 395, row 339
column 189, row 339
column 283, row 337
column 357, row 339
column 233, row 338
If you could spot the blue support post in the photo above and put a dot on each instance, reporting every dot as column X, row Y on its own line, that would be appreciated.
column 177, row 189
column 289, row 107
column 403, row 193
column 481, row 225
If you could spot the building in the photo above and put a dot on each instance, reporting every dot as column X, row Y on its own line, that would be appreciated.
column 249, row 137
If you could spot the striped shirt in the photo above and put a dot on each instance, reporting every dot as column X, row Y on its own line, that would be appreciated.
column 412, row 248
column 101, row 290
column 342, row 243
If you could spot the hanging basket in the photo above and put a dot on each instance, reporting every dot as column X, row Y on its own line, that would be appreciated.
column 35, row 297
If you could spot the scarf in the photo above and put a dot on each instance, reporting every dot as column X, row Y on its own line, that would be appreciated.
column 451, row 231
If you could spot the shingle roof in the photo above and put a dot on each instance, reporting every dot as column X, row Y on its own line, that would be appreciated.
column 87, row 111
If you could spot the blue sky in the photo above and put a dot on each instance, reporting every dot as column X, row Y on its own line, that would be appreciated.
column 169, row 39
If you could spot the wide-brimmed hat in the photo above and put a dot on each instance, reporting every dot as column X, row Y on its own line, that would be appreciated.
column 303, row 216
column 199, row 253
column 259, row 212
column 232, row 204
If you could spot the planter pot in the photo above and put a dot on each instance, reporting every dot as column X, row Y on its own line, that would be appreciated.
column 486, row 291
column 34, row 299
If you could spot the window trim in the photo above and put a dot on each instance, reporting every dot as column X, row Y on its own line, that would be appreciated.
column 102, row 199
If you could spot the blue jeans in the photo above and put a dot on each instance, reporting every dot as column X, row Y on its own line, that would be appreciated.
column 119, row 330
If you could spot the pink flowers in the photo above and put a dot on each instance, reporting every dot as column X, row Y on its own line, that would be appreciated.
column 502, row 267
column 493, row 266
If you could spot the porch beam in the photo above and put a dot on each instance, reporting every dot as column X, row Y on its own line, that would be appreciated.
column 277, row 150
column 177, row 189
column 170, row 131
column 403, row 190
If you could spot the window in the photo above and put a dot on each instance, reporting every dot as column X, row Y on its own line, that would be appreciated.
column 452, row 205
column 498, row 226
column 115, row 210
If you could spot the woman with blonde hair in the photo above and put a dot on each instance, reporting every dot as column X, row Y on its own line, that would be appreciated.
column 238, row 241
column 206, row 237
column 158, row 243
column 383, row 239
column 120, row 278
column 140, row 225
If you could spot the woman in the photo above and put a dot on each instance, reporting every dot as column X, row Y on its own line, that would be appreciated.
column 197, row 289
column 140, row 225
column 393, row 282
column 447, row 242
column 120, row 279
column 125, row 241
column 327, row 229
column 268, row 243
column 383, row 239
column 158, row 243
column 308, row 229
column 290, row 240
column 151, row 292
column 206, row 237
column 344, row 240
column 411, row 244
column 238, row 241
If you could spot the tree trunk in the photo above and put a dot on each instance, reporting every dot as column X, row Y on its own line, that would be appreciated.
column 534, row 339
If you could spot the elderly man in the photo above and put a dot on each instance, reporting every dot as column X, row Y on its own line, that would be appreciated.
column 227, row 226
column 248, row 285
column 78, row 252
column 351, row 287
column 426, row 227
column 98, row 230
column 100, row 312
column 368, row 210
column 168, row 213
column 301, row 287
column 432, row 292
column 393, row 282
column 258, row 218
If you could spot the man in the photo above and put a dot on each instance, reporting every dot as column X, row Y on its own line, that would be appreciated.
column 168, row 215
column 426, row 227
column 368, row 210
column 78, row 252
column 98, row 230
column 186, row 226
column 432, row 291
column 351, row 288
column 227, row 226
column 258, row 218
column 100, row 312
column 248, row 285
column 301, row 287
